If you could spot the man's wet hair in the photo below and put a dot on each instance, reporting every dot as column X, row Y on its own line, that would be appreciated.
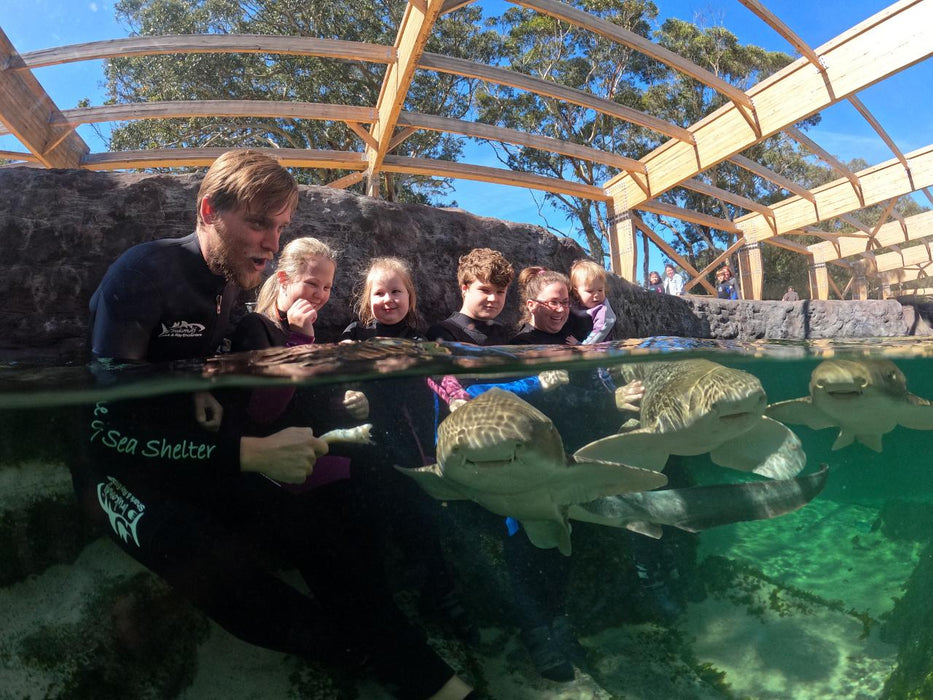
column 249, row 181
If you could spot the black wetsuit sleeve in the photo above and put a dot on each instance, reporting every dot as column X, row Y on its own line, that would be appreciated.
column 439, row 332
column 252, row 333
column 126, row 310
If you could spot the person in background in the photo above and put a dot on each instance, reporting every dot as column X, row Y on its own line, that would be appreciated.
column 588, row 286
column 673, row 282
column 387, row 304
column 726, row 288
column 654, row 282
column 790, row 295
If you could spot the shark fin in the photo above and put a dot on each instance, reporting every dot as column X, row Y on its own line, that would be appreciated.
column 548, row 534
column 917, row 414
column 640, row 448
column 432, row 480
column 769, row 449
column 871, row 440
column 800, row 412
column 844, row 439
column 647, row 529
column 586, row 481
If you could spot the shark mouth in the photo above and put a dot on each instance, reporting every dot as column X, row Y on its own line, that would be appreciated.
column 738, row 415
column 843, row 392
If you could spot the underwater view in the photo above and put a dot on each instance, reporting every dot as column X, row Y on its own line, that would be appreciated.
column 756, row 525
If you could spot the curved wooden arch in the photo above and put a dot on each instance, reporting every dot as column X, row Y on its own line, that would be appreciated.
column 207, row 43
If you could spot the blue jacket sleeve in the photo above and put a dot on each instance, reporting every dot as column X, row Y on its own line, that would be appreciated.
column 520, row 387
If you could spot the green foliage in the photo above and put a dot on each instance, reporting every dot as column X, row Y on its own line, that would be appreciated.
column 291, row 78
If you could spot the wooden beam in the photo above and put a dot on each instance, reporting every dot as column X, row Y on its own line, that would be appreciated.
column 614, row 32
column 751, row 279
column 451, row 5
column 726, row 196
column 771, row 176
column 482, row 173
column 826, row 157
column 892, row 40
column 906, row 257
column 689, row 215
column 777, row 25
column 787, row 244
column 413, row 34
column 548, row 88
column 346, row 181
column 673, row 255
column 876, row 125
column 27, row 111
column 623, row 247
column 274, row 109
column 364, row 135
column 819, row 281
column 17, row 155
column 204, row 157
column 879, row 183
column 542, row 143
column 401, row 136
column 718, row 259
column 209, row 43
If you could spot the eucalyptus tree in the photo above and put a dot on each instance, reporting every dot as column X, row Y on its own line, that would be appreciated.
column 248, row 76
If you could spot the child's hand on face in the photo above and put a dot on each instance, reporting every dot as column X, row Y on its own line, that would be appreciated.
column 301, row 316
column 357, row 404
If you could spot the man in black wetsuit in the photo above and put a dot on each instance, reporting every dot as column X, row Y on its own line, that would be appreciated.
column 484, row 276
column 192, row 502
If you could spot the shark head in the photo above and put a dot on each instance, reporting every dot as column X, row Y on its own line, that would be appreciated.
column 844, row 382
column 708, row 399
column 499, row 443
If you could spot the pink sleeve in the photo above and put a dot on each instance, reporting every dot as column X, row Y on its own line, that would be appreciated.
column 449, row 389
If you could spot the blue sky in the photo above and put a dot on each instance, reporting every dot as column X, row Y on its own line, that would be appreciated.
column 901, row 103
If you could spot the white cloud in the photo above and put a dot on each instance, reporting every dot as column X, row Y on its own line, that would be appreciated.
column 93, row 7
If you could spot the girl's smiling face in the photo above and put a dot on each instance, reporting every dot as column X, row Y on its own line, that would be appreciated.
column 388, row 297
column 551, row 308
column 313, row 284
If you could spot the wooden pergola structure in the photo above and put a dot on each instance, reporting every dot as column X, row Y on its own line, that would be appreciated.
column 881, row 46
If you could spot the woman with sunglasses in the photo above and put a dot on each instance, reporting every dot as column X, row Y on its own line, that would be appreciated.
column 546, row 309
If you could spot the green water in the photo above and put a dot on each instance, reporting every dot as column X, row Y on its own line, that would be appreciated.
column 798, row 606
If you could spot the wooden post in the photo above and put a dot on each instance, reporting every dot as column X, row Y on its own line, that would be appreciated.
column 819, row 281
column 750, row 271
column 885, row 287
column 859, row 286
column 623, row 250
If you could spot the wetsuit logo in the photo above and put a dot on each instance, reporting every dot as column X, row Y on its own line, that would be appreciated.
column 182, row 329
column 122, row 507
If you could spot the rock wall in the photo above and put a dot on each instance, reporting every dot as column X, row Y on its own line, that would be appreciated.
column 60, row 229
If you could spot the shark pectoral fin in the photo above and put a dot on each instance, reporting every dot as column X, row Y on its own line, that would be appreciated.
column 871, row 440
column 586, row 481
column 916, row 414
column 800, row 412
column 640, row 448
column 647, row 529
column 769, row 449
column 548, row 534
column 431, row 480
column 843, row 439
